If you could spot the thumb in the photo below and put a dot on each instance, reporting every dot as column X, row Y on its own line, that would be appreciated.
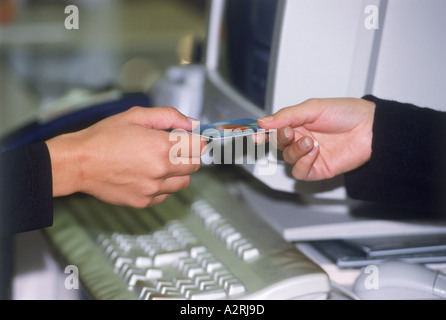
column 161, row 118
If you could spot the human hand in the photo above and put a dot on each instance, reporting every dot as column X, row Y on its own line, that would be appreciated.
column 125, row 159
column 323, row 138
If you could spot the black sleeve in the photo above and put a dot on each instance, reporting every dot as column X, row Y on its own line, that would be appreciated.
column 408, row 161
column 26, row 189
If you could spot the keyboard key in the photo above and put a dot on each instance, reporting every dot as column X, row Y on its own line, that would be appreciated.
column 242, row 247
column 184, row 263
column 142, row 287
column 135, row 278
column 221, row 275
column 123, row 270
column 234, row 287
column 169, row 291
column 195, row 251
column 203, row 257
column 206, row 284
column 250, row 253
column 193, row 271
column 202, row 279
column 154, row 274
column 119, row 261
column 185, row 286
column 212, row 218
column 231, row 238
column 143, row 262
column 164, row 258
column 213, row 265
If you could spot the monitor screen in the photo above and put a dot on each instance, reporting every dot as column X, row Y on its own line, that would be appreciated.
column 246, row 38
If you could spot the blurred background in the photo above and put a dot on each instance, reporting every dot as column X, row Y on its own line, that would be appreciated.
column 120, row 45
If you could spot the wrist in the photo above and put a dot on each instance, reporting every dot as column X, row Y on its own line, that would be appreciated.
column 369, row 107
column 65, row 164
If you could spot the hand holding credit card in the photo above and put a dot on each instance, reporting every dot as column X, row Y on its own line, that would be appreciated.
column 230, row 129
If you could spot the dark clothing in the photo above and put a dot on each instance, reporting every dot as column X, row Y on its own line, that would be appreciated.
column 25, row 189
column 408, row 162
column 407, row 168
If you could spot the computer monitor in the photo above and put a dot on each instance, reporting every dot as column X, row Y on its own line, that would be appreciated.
column 263, row 55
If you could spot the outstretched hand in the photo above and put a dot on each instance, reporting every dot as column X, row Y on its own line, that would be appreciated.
column 125, row 159
column 323, row 138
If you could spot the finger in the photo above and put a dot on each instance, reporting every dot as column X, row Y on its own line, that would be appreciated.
column 259, row 138
column 174, row 184
column 262, row 136
column 278, row 138
column 162, row 118
column 285, row 136
column 158, row 199
column 197, row 146
column 181, row 164
column 295, row 151
column 186, row 145
column 303, row 168
column 184, row 166
column 293, row 116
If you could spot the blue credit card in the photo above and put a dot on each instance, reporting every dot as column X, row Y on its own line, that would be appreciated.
column 231, row 129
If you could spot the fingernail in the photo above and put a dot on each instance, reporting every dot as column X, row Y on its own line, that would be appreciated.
column 315, row 148
column 266, row 119
column 305, row 143
column 285, row 133
column 195, row 122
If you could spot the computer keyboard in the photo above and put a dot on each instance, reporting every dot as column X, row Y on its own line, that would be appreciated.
column 201, row 243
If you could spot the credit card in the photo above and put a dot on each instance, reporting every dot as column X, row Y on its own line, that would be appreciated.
column 230, row 129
